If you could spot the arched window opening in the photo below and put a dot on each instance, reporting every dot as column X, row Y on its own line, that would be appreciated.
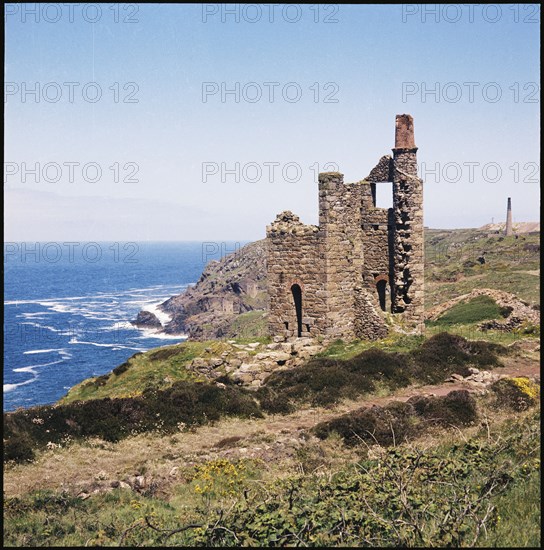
column 297, row 297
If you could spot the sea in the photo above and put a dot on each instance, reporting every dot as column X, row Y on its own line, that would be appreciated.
column 68, row 307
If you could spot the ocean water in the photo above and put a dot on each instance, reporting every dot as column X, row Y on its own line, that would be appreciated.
column 67, row 308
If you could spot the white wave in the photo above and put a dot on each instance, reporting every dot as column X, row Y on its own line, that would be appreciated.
column 151, row 333
column 11, row 387
column 76, row 341
column 46, row 327
column 120, row 325
column 163, row 317
column 35, row 315
column 165, row 290
column 113, row 346
column 31, row 368
column 32, row 352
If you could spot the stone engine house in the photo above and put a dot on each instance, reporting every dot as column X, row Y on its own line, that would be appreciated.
column 342, row 278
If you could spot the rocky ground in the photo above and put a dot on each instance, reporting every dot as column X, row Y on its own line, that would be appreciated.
column 249, row 364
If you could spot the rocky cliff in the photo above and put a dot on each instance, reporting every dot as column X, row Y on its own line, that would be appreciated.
column 229, row 299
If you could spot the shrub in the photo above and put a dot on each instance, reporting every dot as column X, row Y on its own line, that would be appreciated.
column 18, row 448
column 445, row 354
column 399, row 421
column 113, row 419
column 384, row 425
column 458, row 408
column 324, row 380
column 516, row 393
column 166, row 353
column 123, row 367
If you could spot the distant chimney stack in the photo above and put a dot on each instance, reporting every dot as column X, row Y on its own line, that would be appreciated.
column 508, row 232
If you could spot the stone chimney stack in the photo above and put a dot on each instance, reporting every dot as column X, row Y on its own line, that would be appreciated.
column 404, row 132
column 408, row 259
column 509, row 232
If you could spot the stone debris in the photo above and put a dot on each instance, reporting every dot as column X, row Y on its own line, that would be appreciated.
column 476, row 378
column 256, row 362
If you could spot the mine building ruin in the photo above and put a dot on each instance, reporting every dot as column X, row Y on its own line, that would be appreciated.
column 361, row 268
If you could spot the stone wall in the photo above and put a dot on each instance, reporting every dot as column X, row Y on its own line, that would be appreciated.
column 376, row 224
column 295, row 257
column 340, row 222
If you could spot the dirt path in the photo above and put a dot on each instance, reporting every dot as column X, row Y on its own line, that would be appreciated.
column 94, row 465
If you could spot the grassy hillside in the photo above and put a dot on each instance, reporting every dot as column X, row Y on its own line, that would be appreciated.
column 155, row 369
column 327, row 453
column 457, row 261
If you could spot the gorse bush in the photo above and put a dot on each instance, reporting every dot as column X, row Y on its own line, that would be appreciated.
column 516, row 393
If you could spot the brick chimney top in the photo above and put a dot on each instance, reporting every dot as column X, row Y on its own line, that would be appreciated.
column 404, row 132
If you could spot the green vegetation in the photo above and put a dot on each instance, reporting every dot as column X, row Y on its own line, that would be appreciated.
column 398, row 421
column 517, row 393
column 321, row 381
column 480, row 308
column 183, row 404
column 479, row 489
column 250, row 326
column 154, row 369
column 458, row 261
column 326, row 380
column 455, row 471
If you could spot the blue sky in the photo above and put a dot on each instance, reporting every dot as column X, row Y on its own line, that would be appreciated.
column 160, row 143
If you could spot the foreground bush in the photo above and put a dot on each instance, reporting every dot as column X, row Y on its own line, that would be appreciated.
column 185, row 403
column 482, row 491
column 516, row 393
column 398, row 422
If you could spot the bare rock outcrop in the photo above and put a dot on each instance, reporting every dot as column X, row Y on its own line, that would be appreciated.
column 211, row 308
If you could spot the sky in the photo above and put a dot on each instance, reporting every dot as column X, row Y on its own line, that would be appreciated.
column 204, row 121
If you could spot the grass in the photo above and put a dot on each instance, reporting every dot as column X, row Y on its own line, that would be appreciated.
column 156, row 369
column 492, row 474
column 480, row 308
column 250, row 325
column 339, row 349
column 453, row 266
column 518, row 515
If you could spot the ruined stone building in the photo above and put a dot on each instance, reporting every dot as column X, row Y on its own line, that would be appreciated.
column 342, row 278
